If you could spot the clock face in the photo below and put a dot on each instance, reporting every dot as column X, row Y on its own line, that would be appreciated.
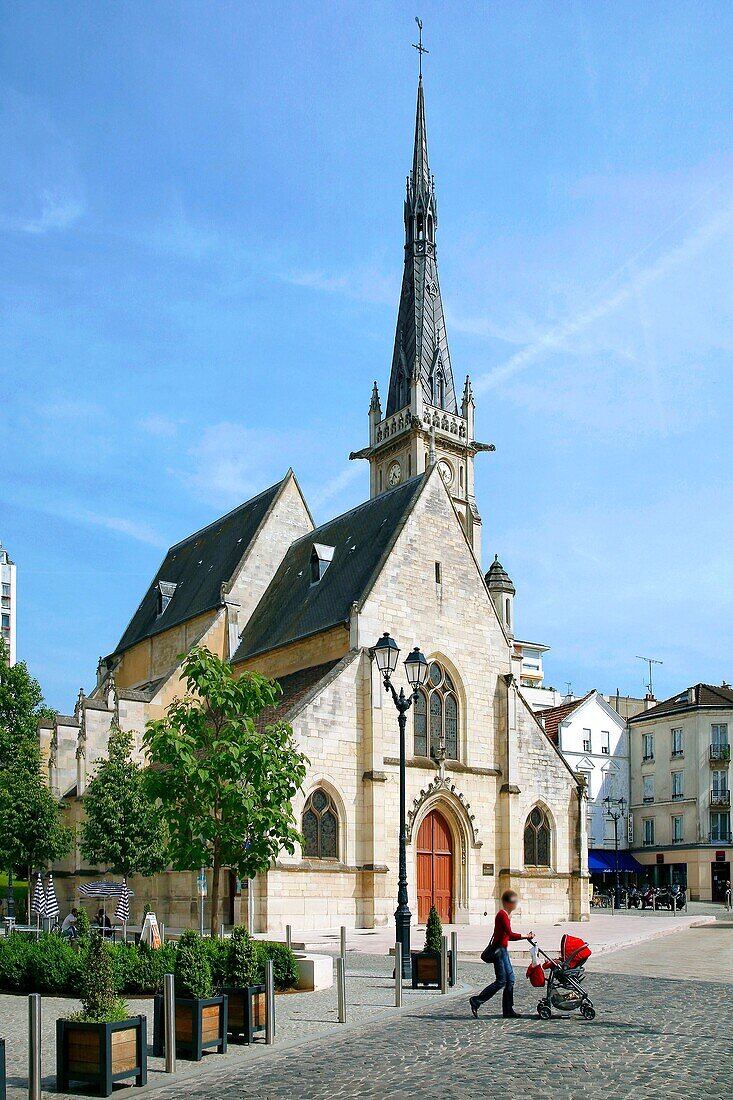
column 394, row 474
column 446, row 471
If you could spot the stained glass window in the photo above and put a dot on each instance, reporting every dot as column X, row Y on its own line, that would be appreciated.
column 320, row 827
column 441, row 703
column 537, row 839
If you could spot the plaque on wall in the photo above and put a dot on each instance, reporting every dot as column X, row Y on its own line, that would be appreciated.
column 487, row 869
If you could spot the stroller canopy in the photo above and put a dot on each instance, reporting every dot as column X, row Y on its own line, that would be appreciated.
column 574, row 951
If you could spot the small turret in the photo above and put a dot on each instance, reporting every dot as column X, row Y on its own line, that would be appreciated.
column 502, row 593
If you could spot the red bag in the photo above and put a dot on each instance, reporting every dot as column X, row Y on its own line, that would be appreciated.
column 536, row 975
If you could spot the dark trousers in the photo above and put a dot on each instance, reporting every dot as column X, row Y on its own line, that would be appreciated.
column 504, row 980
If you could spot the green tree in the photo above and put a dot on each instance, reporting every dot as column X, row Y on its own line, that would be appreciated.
column 225, row 785
column 123, row 829
column 32, row 832
column 433, row 931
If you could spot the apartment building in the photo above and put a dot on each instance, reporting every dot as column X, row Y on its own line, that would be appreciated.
column 680, row 789
column 7, row 602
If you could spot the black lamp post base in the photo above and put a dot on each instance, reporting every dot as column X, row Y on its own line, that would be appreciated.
column 403, row 918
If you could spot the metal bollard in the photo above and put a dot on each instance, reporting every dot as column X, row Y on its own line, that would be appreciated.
column 250, row 905
column 444, row 965
column 343, row 942
column 398, row 975
column 454, row 955
column 169, row 1021
column 34, row 1046
column 341, row 984
column 288, row 936
column 162, row 932
column 269, row 1002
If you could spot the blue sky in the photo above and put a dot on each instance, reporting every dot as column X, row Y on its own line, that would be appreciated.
column 200, row 255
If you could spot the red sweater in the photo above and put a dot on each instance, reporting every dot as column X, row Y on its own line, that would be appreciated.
column 503, row 929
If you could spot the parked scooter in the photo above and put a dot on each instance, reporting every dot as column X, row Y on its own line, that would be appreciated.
column 647, row 897
column 680, row 896
column 633, row 898
column 665, row 898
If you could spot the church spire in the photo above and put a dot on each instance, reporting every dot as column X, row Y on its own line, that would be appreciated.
column 421, row 364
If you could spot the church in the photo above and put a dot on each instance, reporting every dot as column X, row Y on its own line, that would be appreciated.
column 490, row 801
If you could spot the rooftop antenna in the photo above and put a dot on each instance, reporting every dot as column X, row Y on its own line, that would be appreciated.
column 418, row 45
column 569, row 686
column 650, row 661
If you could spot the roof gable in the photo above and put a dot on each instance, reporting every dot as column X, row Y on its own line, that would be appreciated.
column 552, row 717
column 692, row 698
column 197, row 567
column 293, row 607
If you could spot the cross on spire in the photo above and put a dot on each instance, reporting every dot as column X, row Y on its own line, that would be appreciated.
column 418, row 45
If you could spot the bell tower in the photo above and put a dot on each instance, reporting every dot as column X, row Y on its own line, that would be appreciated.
column 422, row 424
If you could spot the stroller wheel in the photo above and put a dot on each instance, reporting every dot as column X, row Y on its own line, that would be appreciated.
column 543, row 1010
column 588, row 1012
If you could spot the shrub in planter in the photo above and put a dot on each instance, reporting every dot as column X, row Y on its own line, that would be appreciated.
column 247, row 1001
column 285, row 966
column 102, row 1044
column 427, row 964
column 151, row 965
column 201, row 1016
column 217, row 952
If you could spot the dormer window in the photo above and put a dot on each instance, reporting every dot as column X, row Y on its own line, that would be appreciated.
column 164, row 595
column 321, row 558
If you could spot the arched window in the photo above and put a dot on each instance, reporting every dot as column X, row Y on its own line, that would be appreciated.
column 439, row 389
column 320, row 827
column 430, row 227
column 537, row 839
column 508, row 613
column 436, row 716
column 420, row 227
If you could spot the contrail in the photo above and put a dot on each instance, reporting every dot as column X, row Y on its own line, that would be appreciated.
column 692, row 245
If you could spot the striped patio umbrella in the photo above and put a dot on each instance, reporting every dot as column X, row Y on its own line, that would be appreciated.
column 122, row 912
column 104, row 890
column 52, row 902
column 38, row 901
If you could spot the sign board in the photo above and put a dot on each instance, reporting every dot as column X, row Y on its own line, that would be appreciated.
column 630, row 829
column 720, row 857
column 150, row 932
column 201, row 886
column 660, row 857
column 487, row 869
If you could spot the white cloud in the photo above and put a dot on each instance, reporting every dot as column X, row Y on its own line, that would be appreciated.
column 58, row 212
column 231, row 463
column 162, row 427
column 141, row 532
column 365, row 284
column 336, row 485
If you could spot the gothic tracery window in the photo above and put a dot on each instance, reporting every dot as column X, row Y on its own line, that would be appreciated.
column 435, row 718
column 320, row 827
column 537, row 839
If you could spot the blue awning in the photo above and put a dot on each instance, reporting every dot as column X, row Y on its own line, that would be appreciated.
column 597, row 861
column 626, row 862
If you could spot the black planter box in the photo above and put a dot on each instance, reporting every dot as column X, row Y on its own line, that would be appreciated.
column 101, row 1054
column 426, row 967
column 2, row 1069
column 247, row 1011
column 201, row 1024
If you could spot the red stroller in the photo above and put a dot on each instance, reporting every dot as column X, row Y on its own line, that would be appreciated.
column 564, row 990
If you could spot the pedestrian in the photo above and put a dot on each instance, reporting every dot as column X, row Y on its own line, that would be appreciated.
column 68, row 928
column 104, row 922
column 498, row 953
column 727, row 894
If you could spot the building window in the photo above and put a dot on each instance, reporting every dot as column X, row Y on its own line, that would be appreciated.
column 6, row 589
column 439, row 701
column 537, row 839
column 437, row 573
column 719, row 734
column 648, row 825
column 321, row 558
column 677, row 829
column 677, row 749
column 5, row 622
column 606, row 742
column 508, row 613
column 586, row 741
column 677, row 785
column 647, row 748
column 647, row 784
column 720, row 827
column 166, row 589
column 320, row 827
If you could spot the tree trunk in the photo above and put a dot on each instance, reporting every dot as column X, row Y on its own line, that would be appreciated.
column 215, row 876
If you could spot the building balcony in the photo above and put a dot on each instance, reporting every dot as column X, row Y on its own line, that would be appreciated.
column 647, row 757
column 722, row 838
column 677, row 796
column 719, row 753
column 719, row 797
column 678, row 840
column 648, row 799
column 677, row 753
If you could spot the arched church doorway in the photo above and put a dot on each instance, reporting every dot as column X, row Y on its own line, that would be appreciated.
column 434, row 868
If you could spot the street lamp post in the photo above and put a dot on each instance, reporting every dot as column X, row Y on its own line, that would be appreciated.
column 386, row 654
column 615, row 816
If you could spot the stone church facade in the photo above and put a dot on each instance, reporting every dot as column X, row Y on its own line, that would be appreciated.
column 491, row 803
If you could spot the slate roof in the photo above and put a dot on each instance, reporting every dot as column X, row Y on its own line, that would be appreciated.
column 704, row 695
column 293, row 608
column 294, row 688
column 552, row 717
column 497, row 577
column 198, row 566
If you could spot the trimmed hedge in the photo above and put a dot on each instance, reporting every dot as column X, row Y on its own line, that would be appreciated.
column 52, row 965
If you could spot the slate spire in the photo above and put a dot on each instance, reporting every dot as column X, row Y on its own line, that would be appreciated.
column 421, row 357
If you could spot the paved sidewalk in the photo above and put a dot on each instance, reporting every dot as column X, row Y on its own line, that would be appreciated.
column 605, row 931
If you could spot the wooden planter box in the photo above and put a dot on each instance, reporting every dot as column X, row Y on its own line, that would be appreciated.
column 101, row 1054
column 2, row 1069
column 247, row 1011
column 201, row 1024
column 426, row 969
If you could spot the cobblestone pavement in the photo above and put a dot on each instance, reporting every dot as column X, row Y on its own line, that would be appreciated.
column 652, row 1035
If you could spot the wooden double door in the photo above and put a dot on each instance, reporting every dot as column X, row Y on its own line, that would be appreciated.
column 434, row 868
